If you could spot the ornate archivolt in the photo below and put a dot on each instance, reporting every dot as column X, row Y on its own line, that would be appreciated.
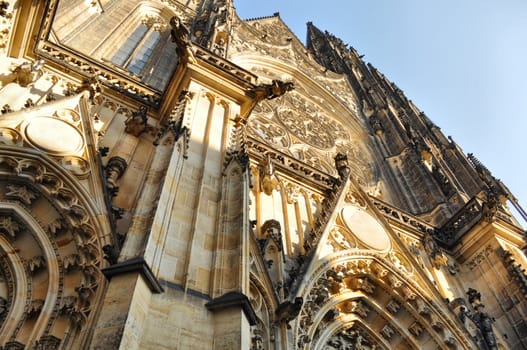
column 362, row 292
column 50, row 252
column 366, row 298
column 53, row 225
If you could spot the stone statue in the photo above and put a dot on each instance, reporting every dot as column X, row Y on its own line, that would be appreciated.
column 481, row 319
column 484, row 323
column 474, row 297
column 180, row 36
column 136, row 123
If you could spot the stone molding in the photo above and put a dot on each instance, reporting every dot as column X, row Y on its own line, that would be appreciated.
column 137, row 265
column 231, row 300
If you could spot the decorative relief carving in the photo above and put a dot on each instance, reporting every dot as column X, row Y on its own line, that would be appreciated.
column 393, row 306
column 136, row 123
column 57, row 227
column 9, row 226
column 460, row 223
column 25, row 74
column 269, row 182
column 176, row 122
column 93, row 86
column 6, row 109
column 4, row 307
column 357, row 307
column 436, row 254
column 67, row 304
column 257, row 340
column 340, row 239
column 47, row 342
column 14, row 345
column 355, row 198
column 69, row 227
column 387, row 332
column 34, row 308
column 71, row 262
column 114, row 169
column 351, row 338
column 273, row 39
column 269, row 132
column 406, row 219
column 516, row 272
column 416, row 329
column 20, row 192
column 480, row 257
column 9, row 136
column 36, row 263
column 4, row 5
column 313, row 126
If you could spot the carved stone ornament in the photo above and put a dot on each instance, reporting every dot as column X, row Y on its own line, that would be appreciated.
column 269, row 183
column 136, row 123
column 47, row 342
column 9, row 226
column 25, row 74
column 287, row 311
column 20, row 192
column 3, row 307
column 67, row 305
column 36, row 263
column 180, row 35
column 436, row 254
column 35, row 307
column 416, row 329
column 387, row 332
column 356, row 307
column 276, row 89
column 14, row 345
column 351, row 338
column 114, row 170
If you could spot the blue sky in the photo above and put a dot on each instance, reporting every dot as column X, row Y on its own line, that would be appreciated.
column 464, row 63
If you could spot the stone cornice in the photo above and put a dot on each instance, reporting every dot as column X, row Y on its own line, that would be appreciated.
column 137, row 265
column 231, row 300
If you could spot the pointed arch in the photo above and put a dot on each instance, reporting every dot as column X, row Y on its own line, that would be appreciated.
column 53, row 235
column 352, row 285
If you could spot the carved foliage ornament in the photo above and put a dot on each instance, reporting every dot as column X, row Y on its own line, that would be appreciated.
column 20, row 192
column 9, row 226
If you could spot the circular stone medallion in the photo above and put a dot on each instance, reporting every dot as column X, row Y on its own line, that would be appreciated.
column 54, row 136
column 367, row 230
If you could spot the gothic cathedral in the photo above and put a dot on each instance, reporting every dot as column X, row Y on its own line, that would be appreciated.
column 175, row 177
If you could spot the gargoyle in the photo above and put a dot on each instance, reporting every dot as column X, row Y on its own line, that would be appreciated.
column 288, row 311
column 276, row 89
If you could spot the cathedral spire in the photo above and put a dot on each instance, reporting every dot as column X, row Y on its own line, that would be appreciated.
column 211, row 28
column 325, row 48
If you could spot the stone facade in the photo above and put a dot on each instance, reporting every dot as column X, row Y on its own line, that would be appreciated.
column 174, row 177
